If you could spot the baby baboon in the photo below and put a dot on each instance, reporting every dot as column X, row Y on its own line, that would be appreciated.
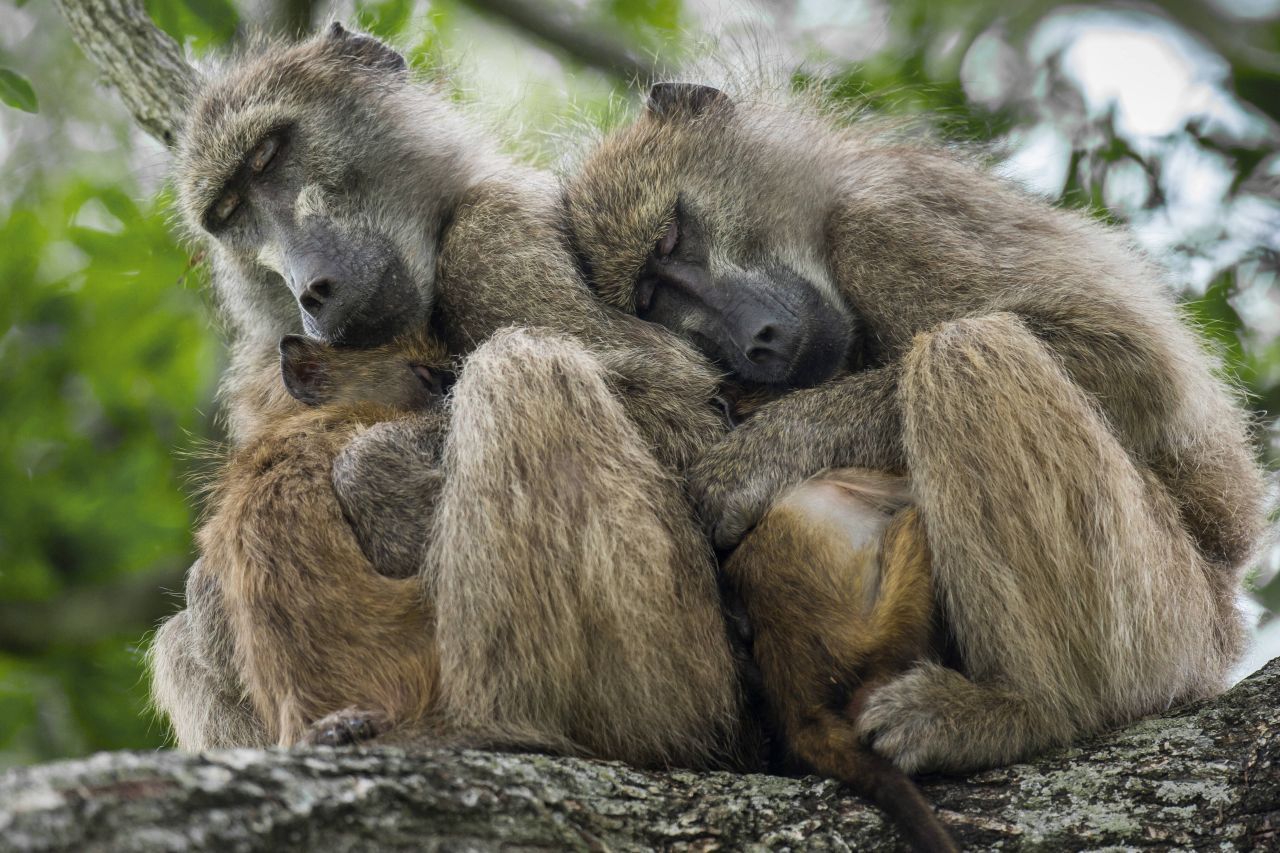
column 1089, row 487
column 576, row 602
column 838, row 590
column 315, row 626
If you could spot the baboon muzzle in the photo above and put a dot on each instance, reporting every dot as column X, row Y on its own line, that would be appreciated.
column 772, row 328
column 351, row 286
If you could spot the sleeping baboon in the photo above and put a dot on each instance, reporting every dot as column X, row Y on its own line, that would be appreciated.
column 315, row 625
column 838, row 590
column 1089, row 488
column 576, row 604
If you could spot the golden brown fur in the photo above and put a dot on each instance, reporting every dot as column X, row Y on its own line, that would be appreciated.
column 315, row 626
column 837, row 584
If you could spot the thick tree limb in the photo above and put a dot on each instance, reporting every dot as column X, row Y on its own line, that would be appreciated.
column 1205, row 776
column 137, row 58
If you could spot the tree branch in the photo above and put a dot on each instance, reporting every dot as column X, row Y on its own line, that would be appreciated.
column 553, row 25
column 1205, row 776
column 137, row 58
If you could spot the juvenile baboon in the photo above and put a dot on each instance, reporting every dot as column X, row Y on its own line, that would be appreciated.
column 576, row 603
column 315, row 626
column 1088, row 483
column 838, row 590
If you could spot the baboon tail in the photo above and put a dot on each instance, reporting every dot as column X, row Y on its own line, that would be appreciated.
column 893, row 791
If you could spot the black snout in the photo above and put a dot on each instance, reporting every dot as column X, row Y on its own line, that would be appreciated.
column 763, row 331
column 790, row 332
column 772, row 344
column 316, row 295
column 351, row 285
column 767, row 326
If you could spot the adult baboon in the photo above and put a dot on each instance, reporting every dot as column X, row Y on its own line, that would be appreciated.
column 1088, row 484
column 576, row 600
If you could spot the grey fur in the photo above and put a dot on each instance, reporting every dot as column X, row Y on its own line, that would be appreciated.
column 628, row 658
column 1087, row 481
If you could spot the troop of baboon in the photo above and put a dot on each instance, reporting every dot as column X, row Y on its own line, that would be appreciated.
column 970, row 477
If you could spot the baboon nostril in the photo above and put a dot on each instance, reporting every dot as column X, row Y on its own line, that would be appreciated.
column 314, row 297
column 758, row 354
column 765, row 335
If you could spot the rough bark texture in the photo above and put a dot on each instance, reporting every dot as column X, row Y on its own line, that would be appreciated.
column 1204, row 776
column 137, row 58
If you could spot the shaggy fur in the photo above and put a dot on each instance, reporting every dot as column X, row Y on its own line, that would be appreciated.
column 1091, row 493
column 604, row 625
column 316, row 627
column 837, row 584
column 373, row 153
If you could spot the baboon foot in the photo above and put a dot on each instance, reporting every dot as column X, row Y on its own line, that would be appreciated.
column 348, row 727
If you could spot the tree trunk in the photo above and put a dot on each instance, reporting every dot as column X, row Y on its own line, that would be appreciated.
column 141, row 62
column 1204, row 776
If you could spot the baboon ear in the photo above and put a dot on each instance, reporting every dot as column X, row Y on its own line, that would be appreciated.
column 366, row 50
column 304, row 366
column 685, row 100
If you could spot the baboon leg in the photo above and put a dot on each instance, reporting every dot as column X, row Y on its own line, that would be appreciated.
column 194, row 681
column 577, row 601
column 1075, row 597
column 839, row 595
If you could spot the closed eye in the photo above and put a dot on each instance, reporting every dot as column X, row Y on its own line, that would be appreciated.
column 264, row 154
column 667, row 243
column 225, row 207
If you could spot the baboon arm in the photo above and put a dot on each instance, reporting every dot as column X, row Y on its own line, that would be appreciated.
column 492, row 282
column 850, row 422
column 387, row 480
column 1076, row 598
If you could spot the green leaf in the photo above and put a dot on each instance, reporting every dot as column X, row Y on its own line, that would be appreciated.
column 17, row 92
column 384, row 19
column 220, row 16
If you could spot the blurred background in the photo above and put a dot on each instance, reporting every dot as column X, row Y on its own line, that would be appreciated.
column 1164, row 117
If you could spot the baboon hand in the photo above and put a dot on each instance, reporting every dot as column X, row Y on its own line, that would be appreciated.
column 733, row 484
column 348, row 727
column 904, row 720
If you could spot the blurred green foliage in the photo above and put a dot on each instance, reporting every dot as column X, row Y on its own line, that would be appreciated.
column 109, row 355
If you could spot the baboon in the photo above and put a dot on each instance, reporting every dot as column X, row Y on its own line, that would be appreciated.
column 576, row 600
column 1087, row 481
column 316, row 627
column 838, row 591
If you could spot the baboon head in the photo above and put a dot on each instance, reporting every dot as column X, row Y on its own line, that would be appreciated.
column 409, row 374
column 698, row 218
column 319, row 174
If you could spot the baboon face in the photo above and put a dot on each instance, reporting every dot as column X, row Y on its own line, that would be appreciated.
column 284, row 165
column 684, row 220
column 409, row 374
